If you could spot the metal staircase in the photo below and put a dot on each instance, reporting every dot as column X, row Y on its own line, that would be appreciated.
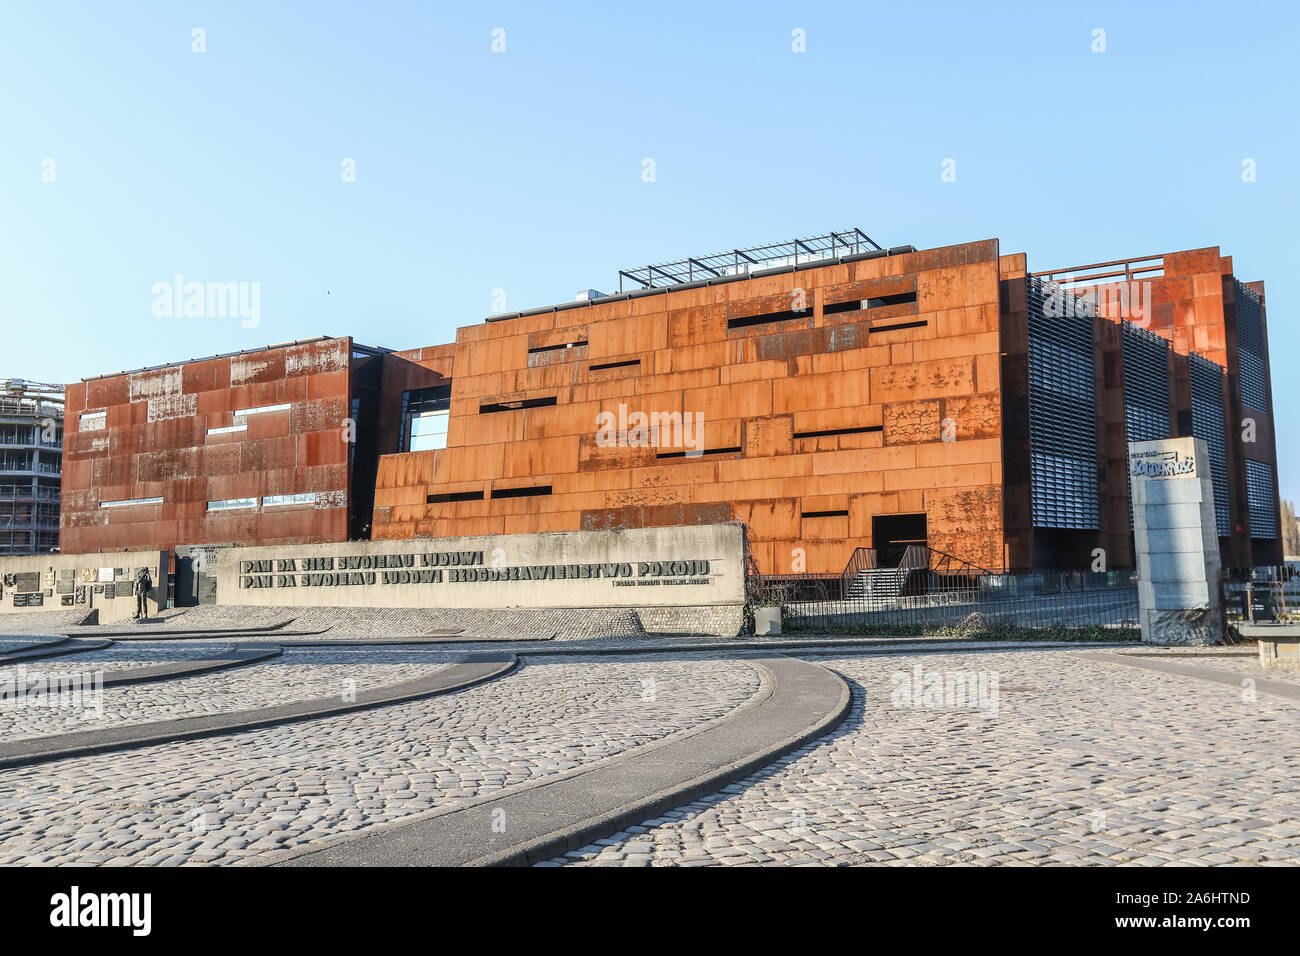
column 919, row 571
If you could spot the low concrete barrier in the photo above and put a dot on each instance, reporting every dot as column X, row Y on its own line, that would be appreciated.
column 687, row 579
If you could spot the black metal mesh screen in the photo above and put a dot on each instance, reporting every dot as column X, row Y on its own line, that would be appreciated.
column 1062, row 409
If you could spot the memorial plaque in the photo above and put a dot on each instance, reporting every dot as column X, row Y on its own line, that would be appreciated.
column 65, row 585
column 20, row 600
column 65, row 600
column 105, row 574
column 110, row 591
column 35, row 600
column 669, row 570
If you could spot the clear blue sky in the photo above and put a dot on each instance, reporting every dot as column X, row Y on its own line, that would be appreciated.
column 522, row 170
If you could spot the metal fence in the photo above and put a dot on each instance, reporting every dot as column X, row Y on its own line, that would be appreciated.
column 1262, row 594
column 921, row 598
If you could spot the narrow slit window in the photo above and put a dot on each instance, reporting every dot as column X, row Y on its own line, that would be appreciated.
column 564, row 346
column 304, row 498
column 604, row 365
column 745, row 321
column 898, row 325
column 707, row 451
column 531, row 492
column 876, row 302
column 232, row 504
column 829, row 432
column 516, row 405
column 450, row 496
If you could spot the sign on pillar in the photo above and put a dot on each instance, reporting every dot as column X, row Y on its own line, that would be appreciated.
column 1179, row 597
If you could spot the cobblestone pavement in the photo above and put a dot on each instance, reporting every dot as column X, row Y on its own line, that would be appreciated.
column 122, row 657
column 226, row 799
column 297, row 674
column 1084, row 762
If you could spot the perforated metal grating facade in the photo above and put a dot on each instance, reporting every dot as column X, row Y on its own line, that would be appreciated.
column 1209, row 422
column 1261, row 498
column 1250, row 349
column 1062, row 415
column 1146, row 389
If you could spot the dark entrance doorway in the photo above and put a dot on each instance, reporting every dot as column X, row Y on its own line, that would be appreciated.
column 891, row 534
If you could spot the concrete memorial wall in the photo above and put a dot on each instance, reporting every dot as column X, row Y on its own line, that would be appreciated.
column 81, row 582
column 679, row 579
column 1179, row 591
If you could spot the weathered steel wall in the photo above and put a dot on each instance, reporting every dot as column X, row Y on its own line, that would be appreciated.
column 154, row 442
column 813, row 424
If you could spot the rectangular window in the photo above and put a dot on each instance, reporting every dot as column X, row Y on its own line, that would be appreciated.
column 228, row 429
column 707, row 451
column 306, row 498
column 898, row 325
column 542, row 349
column 745, row 321
column 825, row 514
column 262, row 409
column 854, row 305
column 232, row 504
column 454, row 496
column 425, row 413
column 129, row 502
column 514, row 406
column 829, row 432
column 429, row 430
column 604, row 365
column 521, row 492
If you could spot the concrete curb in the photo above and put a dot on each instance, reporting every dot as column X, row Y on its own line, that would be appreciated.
column 550, row 817
column 136, row 632
column 476, row 669
column 383, row 642
column 64, row 645
column 200, row 635
column 1273, row 688
column 248, row 654
column 41, row 641
column 876, row 645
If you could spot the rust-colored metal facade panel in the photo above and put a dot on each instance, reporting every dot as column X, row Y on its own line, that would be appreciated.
column 823, row 406
column 190, row 454
column 817, row 400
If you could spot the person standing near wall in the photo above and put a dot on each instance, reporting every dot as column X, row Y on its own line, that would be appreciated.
column 143, row 585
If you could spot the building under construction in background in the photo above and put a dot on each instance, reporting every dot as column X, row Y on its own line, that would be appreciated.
column 31, row 466
column 851, row 397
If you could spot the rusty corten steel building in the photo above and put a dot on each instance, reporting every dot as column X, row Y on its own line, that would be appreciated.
column 828, row 393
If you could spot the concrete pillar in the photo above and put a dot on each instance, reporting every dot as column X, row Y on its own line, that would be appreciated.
column 1179, row 593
